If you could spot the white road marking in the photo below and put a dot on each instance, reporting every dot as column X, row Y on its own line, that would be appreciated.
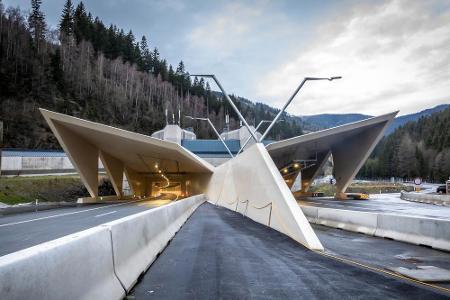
column 65, row 214
column 108, row 213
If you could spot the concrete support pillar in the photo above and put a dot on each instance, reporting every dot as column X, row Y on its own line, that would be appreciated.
column 350, row 154
column 183, row 187
column 114, row 169
column 82, row 154
column 136, row 181
column 148, row 187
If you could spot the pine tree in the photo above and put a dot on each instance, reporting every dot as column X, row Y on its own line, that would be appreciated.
column 66, row 22
column 155, row 61
column 180, row 69
column 36, row 22
column 80, row 22
column 146, row 57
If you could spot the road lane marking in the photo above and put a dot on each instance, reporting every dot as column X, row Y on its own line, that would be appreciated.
column 108, row 213
column 65, row 214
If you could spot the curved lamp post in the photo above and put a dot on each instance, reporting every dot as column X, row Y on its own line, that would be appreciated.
column 291, row 98
column 231, row 103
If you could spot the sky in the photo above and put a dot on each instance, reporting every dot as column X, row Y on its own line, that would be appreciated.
column 392, row 55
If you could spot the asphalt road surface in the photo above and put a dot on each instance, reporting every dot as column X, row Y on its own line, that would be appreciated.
column 219, row 254
column 380, row 253
column 24, row 230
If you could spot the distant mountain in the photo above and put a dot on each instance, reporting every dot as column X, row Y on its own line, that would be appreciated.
column 323, row 121
column 402, row 120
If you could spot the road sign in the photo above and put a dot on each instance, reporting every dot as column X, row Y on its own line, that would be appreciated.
column 418, row 181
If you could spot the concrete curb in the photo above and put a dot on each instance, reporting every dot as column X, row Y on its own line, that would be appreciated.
column 430, row 232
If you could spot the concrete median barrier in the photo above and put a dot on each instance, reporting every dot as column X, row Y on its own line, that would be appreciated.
column 420, row 231
column 77, row 266
column 415, row 230
column 426, row 198
column 137, row 240
column 311, row 213
column 362, row 222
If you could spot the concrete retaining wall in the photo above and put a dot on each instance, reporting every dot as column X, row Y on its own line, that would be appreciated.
column 420, row 231
column 426, row 198
column 99, row 263
column 16, row 165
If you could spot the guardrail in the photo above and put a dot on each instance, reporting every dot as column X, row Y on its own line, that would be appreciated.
column 102, row 262
column 430, row 232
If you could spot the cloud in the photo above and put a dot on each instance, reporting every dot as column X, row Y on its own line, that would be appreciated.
column 237, row 40
column 392, row 55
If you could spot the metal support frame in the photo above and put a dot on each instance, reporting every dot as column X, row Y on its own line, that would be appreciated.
column 215, row 130
column 256, row 129
column 231, row 103
column 280, row 113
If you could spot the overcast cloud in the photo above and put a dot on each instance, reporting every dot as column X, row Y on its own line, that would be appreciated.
column 392, row 54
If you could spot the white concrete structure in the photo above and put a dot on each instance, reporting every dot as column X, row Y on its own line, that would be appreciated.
column 143, row 159
column 350, row 145
column 250, row 183
column 174, row 133
column 242, row 135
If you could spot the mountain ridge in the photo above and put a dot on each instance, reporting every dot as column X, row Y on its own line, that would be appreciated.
column 324, row 121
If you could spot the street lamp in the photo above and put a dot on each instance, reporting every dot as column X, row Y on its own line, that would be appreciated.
column 291, row 98
column 256, row 129
column 214, row 128
column 231, row 103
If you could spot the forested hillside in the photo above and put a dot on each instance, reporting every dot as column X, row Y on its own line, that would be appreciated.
column 101, row 73
column 420, row 148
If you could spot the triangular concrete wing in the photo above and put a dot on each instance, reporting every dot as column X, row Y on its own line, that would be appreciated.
column 252, row 185
column 349, row 144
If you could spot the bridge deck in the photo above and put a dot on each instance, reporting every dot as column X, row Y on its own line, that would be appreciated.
column 220, row 254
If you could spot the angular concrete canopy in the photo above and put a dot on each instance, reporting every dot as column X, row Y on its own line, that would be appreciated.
column 250, row 183
column 350, row 145
column 134, row 153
